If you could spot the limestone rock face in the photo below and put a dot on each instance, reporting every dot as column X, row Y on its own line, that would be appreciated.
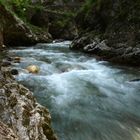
column 21, row 113
column 6, row 133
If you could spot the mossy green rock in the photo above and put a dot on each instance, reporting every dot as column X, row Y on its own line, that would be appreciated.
column 15, row 32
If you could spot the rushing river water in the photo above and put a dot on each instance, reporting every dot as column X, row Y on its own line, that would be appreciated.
column 88, row 99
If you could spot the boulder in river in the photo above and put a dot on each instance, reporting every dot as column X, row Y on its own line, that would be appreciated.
column 33, row 69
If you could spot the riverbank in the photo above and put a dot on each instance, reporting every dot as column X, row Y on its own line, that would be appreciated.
column 121, row 54
column 21, row 117
column 110, row 30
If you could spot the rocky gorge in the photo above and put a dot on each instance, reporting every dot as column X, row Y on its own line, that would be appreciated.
column 107, row 30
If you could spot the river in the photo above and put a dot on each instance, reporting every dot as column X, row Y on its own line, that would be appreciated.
column 88, row 99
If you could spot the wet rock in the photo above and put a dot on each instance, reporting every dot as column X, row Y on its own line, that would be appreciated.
column 9, row 58
column 58, row 40
column 5, row 63
column 90, row 47
column 97, row 48
column 6, row 133
column 80, row 43
column 135, row 80
column 16, row 61
column 131, row 58
column 20, row 111
column 17, row 58
column 33, row 69
column 14, row 72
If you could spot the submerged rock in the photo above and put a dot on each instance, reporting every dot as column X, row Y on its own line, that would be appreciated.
column 33, row 69
column 21, row 113
column 135, row 80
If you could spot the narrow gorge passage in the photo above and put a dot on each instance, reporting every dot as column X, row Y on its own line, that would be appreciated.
column 87, row 99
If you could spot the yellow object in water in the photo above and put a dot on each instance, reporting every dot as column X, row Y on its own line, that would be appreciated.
column 33, row 69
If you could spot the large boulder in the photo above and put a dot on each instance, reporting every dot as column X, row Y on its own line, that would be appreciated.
column 97, row 47
column 80, row 42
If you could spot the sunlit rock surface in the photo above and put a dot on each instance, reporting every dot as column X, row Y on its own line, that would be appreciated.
column 6, row 133
column 21, row 113
column 33, row 69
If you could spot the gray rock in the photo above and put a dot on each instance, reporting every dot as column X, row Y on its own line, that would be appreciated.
column 20, row 111
column 6, row 133
column 80, row 43
column 96, row 47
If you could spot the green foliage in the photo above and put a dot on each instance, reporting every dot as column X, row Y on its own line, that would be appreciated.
column 69, row 15
column 88, row 4
column 20, row 7
column 17, row 6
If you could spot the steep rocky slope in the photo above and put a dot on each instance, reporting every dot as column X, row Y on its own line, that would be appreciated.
column 110, row 29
